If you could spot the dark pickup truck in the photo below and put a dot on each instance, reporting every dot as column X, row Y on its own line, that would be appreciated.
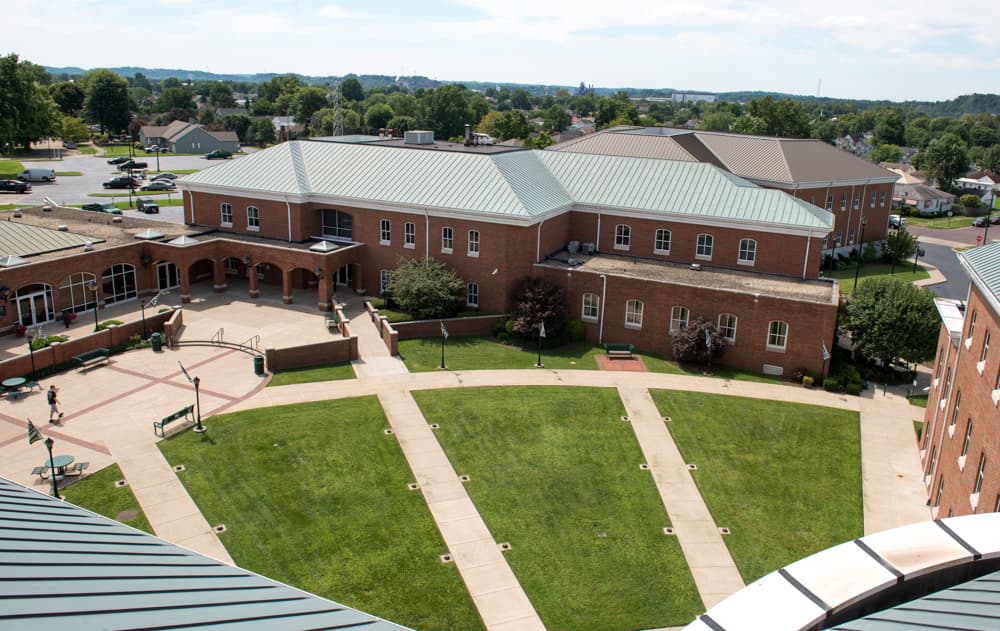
column 14, row 186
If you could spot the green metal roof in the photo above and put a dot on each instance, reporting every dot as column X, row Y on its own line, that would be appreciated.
column 63, row 567
column 20, row 239
column 522, row 184
column 984, row 265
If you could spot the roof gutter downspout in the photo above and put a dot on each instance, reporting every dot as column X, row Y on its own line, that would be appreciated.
column 191, row 197
column 604, row 297
column 597, row 241
column 805, row 260
column 538, row 242
column 288, row 207
column 427, row 235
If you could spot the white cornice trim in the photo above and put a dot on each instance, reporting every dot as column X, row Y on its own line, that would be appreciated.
column 819, row 183
column 715, row 222
column 992, row 300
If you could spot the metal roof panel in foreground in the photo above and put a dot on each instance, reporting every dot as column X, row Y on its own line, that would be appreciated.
column 63, row 567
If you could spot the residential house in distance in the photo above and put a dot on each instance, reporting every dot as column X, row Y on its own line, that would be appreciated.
column 184, row 137
column 852, row 189
column 960, row 448
column 923, row 198
column 858, row 144
column 983, row 184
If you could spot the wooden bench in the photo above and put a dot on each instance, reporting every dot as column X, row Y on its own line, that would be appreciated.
column 619, row 351
column 40, row 472
column 332, row 321
column 184, row 413
column 92, row 358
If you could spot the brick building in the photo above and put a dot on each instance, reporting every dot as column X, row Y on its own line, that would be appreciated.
column 960, row 448
column 641, row 246
column 854, row 190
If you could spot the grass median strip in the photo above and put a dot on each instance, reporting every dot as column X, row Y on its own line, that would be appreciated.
column 315, row 495
column 328, row 372
column 555, row 473
column 97, row 492
column 784, row 477
column 902, row 271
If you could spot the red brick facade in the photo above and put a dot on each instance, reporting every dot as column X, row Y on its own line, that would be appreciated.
column 850, row 204
column 965, row 391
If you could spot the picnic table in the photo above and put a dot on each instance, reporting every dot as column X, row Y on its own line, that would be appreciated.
column 58, row 464
column 12, row 386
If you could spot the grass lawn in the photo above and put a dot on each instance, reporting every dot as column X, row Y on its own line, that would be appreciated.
column 174, row 171
column 97, row 492
column 68, row 173
column 161, row 202
column 918, row 427
column 556, row 473
column 919, row 400
column 137, row 193
column 87, row 150
column 9, row 169
column 314, row 495
column 785, row 477
column 114, row 151
column 10, row 206
column 903, row 271
column 328, row 372
column 940, row 223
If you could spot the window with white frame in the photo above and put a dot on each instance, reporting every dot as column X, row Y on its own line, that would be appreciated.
column 972, row 325
column 940, row 491
column 986, row 348
column 473, row 247
column 843, row 201
column 837, row 238
column 857, row 201
column 384, row 280
column 881, row 200
column 447, row 240
column 777, row 335
column 472, row 295
column 873, row 199
column 384, row 232
column 727, row 326
column 253, row 218
column 979, row 475
column 968, row 438
column 409, row 235
column 633, row 314
column 623, row 236
column 338, row 224
column 829, row 202
column 704, row 249
column 850, row 236
column 661, row 244
column 678, row 318
column 591, row 307
column 826, row 242
column 958, row 404
column 748, row 252
column 227, row 214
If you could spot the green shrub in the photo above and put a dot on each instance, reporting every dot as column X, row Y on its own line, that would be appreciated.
column 508, row 327
column 107, row 323
column 575, row 331
column 854, row 388
column 831, row 385
column 42, row 342
column 807, row 381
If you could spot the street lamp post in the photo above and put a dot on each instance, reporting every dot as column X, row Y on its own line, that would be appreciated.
column 197, row 406
column 157, row 157
column 52, row 470
column 857, row 270
column 916, row 255
column 989, row 212
column 31, row 350
column 142, row 308
column 92, row 286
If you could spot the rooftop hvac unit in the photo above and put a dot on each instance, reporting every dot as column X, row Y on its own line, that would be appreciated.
column 588, row 248
column 418, row 137
column 573, row 247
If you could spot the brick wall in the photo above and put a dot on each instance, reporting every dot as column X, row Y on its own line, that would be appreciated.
column 850, row 217
column 338, row 350
column 459, row 327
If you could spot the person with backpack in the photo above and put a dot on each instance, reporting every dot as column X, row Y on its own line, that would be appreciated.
column 53, row 404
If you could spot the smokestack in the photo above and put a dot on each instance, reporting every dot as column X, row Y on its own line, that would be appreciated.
column 468, row 135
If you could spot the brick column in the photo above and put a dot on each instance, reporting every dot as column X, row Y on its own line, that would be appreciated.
column 326, row 291
column 356, row 277
column 252, row 279
column 219, row 276
column 184, row 276
column 286, row 286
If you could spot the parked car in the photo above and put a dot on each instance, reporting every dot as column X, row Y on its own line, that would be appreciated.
column 218, row 154
column 132, row 164
column 14, row 186
column 37, row 175
column 896, row 221
column 147, row 205
column 166, row 175
column 981, row 222
column 153, row 149
column 102, row 207
column 118, row 160
column 159, row 185
column 122, row 181
column 69, row 144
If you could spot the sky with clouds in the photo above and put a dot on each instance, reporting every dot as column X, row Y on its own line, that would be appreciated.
column 890, row 49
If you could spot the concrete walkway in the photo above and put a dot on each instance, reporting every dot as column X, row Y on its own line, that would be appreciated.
column 374, row 358
column 491, row 583
column 712, row 567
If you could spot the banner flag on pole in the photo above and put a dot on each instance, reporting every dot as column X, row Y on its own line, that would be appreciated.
column 184, row 371
column 708, row 340
column 444, row 331
column 826, row 353
column 33, row 435
column 541, row 329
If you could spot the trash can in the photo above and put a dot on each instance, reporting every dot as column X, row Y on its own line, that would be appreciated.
column 258, row 365
column 157, row 341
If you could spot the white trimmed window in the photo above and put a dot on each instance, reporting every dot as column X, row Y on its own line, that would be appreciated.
column 253, row 218
column 678, row 318
column 979, row 475
column 777, row 335
column 881, row 200
column 623, row 236
column 972, row 327
column 384, row 232
column 447, row 240
column 633, row 314
column 704, row 249
column 940, row 491
column 873, row 198
column 727, row 327
column 829, row 202
column 227, row 214
column 843, row 201
column 661, row 245
column 591, row 307
column 958, row 404
column 748, row 252
column 472, row 295
column 473, row 248
column 384, row 280
column 857, row 201
column 409, row 235
column 968, row 438
column 986, row 347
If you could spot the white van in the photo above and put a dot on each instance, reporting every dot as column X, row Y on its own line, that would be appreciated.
column 37, row 175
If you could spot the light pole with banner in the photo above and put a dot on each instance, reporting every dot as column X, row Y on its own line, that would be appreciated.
column 195, row 381
column 861, row 239
column 541, row 336
column 52, row 470
column 92, row 286
column 142, row 307
column 444, row 336
column 31, row 349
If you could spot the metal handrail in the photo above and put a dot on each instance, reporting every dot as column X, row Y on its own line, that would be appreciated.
column 253, row 342
column 218, row 334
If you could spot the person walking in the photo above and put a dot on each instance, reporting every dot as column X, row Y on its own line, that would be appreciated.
column 53, row 404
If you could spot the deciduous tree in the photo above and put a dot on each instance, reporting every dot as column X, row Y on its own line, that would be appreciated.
column 27, row 111
column 537, row 300
column 698, row 343
column 106, row 103
column 945, row 159
column 427, row 288
column 890, row 319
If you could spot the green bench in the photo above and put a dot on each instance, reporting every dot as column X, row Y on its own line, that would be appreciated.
column 184, row 413
column 332, row 321
column 92, row 358
column 622, row 351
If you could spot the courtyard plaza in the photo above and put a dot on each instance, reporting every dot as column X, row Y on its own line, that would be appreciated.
column 109, row 412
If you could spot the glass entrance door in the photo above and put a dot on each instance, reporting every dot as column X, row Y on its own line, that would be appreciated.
column 34, row 309
column 344, row 275
column 166, row 276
